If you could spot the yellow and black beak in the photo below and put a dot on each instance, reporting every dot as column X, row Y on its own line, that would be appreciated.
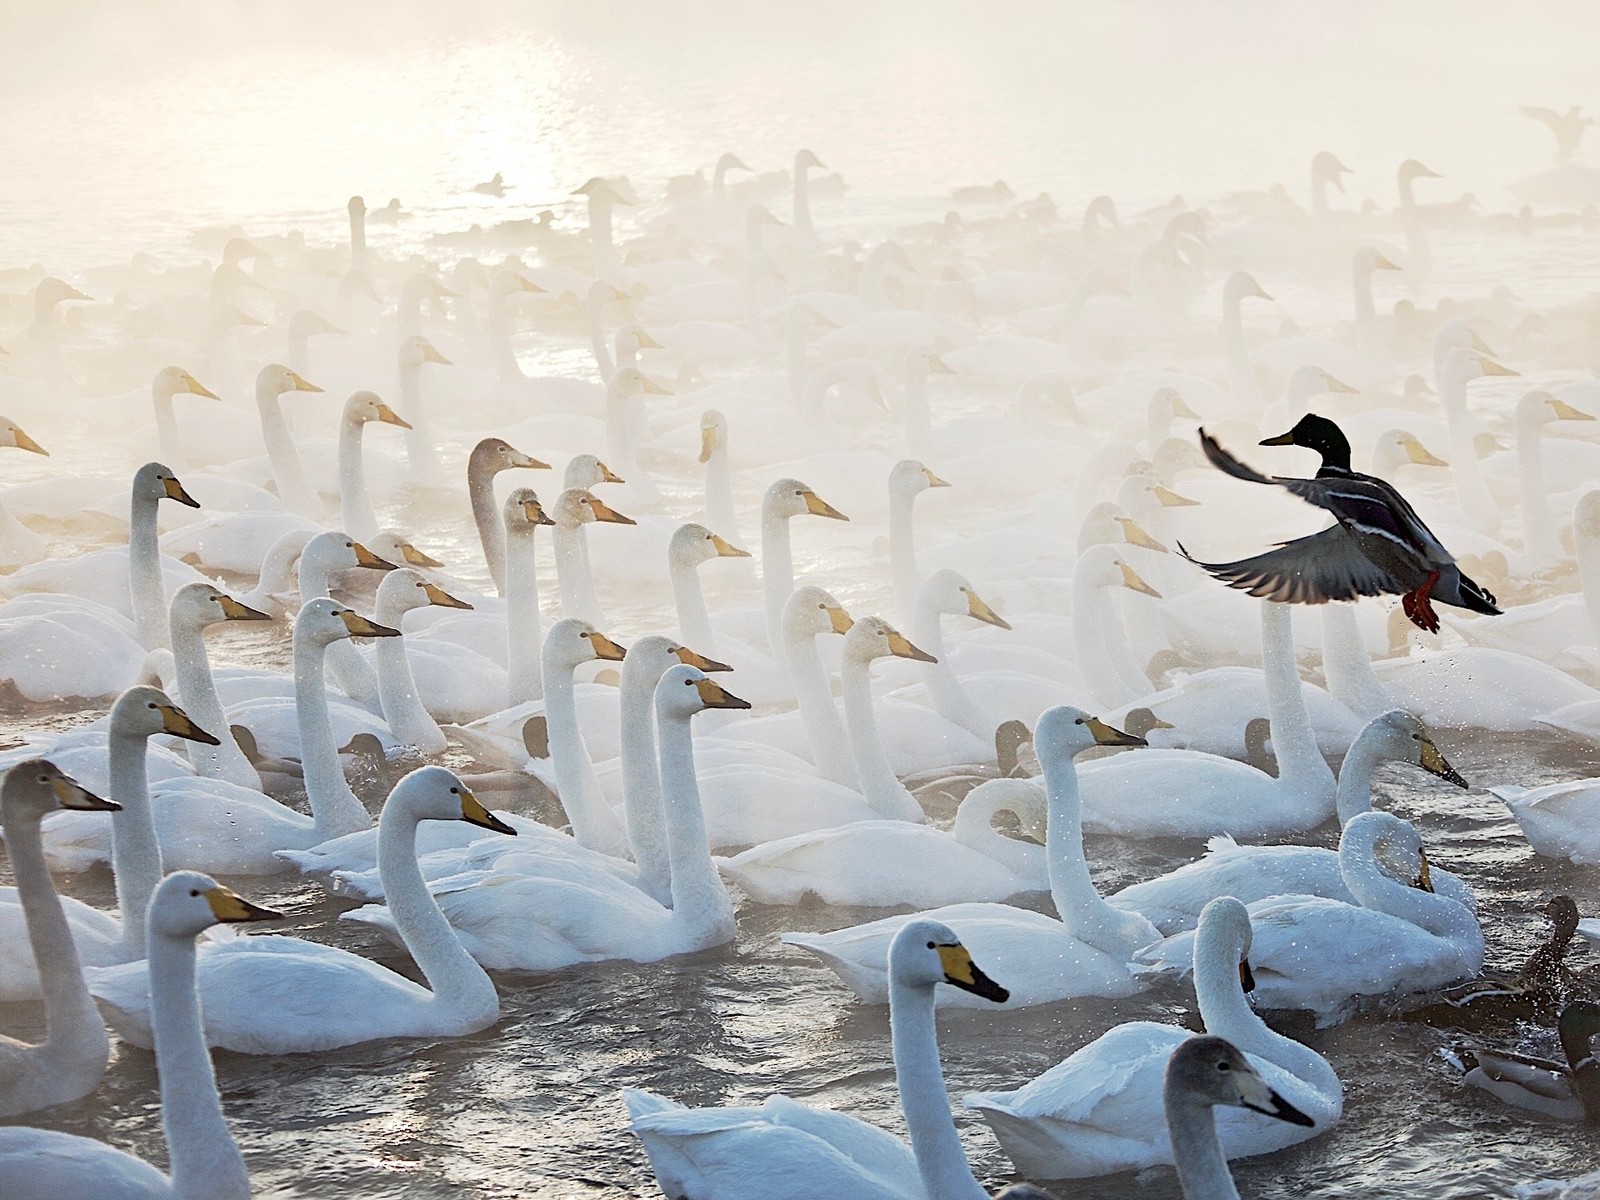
column 938, row 366
column 645, row 342
column 474, row 813
column 71, row 794
column 1130, row 579
column 443, row 599
column 604, row 512
column 366, row 558
column 1433, row 761
column 1247, row 977
column 1171, row 499
column 714, row 695
column 1338, row 385
column 1133, row 533
column 389, row 417
column 1418, row 453
column 651, row 387
column 960, row 971
column 430, row 352
column 1425, row 875
column 934, row 480
column 228, row 905
column 978, row 609
column 177, row 723
column 359, row 626
column 726, row 549
column 1383, row 264
column 196, row 388
column 900, row 646
column 302, row 384
column 607, row 475
column 818, row 507
column 175, row 491
column 1563, row 411
column 416, row 558
column 232, row 610
column 839, row 619
column 24, row 442
column 605, row 649
column 708, row 442
column 533, row 512
column 695, row 659
column 1490, row 367
column 1108, row 735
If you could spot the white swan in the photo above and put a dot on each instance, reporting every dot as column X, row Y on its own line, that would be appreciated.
column 784, row 1150
column 784, row 499
column 194, row 607
column 523, row 514
column 1560, row 820
column 68, row 1064
column 1325, row 955
column 690, row 546
column 325, row 997
column 401, row 591
column 1173, row 901
column 422, row 447
column 721, row 512
column 170, row 382
column 573, row 509
column 1184, row 793
column 488, row 458
column 1084, row 953
column 336, row 550
column 356, row 514
column 40, row 1164
column 288, row 475
column 907, row 480
column 1099, row 1110
column 152, row 483
column 516, row 921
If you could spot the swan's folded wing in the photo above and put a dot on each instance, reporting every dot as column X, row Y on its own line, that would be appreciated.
column 1102, row 1071
column 1310, row 570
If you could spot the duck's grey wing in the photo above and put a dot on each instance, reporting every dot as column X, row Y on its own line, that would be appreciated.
column 1310, row 570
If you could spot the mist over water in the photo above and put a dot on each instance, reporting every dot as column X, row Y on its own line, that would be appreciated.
column 162, row 129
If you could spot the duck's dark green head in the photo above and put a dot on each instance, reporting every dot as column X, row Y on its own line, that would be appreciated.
column 1319, row 434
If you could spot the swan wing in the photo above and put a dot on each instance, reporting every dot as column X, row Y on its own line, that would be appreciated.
column 42, row 1164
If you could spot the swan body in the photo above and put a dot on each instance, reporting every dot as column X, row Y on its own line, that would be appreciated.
column 322, row 997
column 1084, row 953
column 1560, row 820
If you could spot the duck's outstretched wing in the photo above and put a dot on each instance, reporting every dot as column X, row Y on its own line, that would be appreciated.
column 1310, row 570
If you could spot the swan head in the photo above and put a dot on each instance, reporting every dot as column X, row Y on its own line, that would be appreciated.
column 1374, row 838
column 52, row 291
column 1144, row 495
column 1403, row 737
column 1540, row 407
column 1367, row 260
column 11, row 435
column 791, row 498
column 36, row 786
column 156, row 482
column 1457, row 333
column 405, row 589
column 649, row 658
column 416, row 350
column 493, row 455
column 198, row 604
column 873, row 637
column 949, row 592
column 579, row 506
column 908, row 477
column 1224, row 928
column 363, row 407
column 604, row 191
column 175, row 381
column 275, row 379
column 390, row 546
column 925, row 954
column 922, row 361
column 335, row 551
column 306, row 324
column 1174, row 454
column 1168, row 404
column 322, row 621
column 1463, row 363
column 685, row 690
column 693, row 544
column 187, row 903
column 1412, row 169
column 1211, row 1072
column 1326, row 165
column 586, row 471
column 143, row 712
column 1063, row 732
column 713, row 433
column 1242, row 285
column 435, row 794
column 811, row 611
column 807, row 159
column 1397, row 447
column 731, row 162
column 523, row 513
column 1103, row 566
column 630, row 381
column 638, row 336
column 572, row 642
column 357, row 207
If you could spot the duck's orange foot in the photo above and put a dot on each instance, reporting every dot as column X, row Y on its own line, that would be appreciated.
column 1418, row 608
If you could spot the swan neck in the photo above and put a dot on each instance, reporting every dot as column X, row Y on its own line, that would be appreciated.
column 593, row 823
column 830, row 750
column 777, row 570
column 287, row 471
column 1346, row 666
column 1538, row 527
column 641, row 781
column 903, row 557
column 1101, row 640
column 491, row 527
column 408, row 719
column 883, row 791
column 206, row 1162
column 1299, row 759
column 935, row 1144
column 355, row 502
column 335, row 810
column 197, row 692
column 523, row 633
column 135, row 849
column 1354, row 795
column 147, row 587
column 699, row 900
column 1196, row 1150
column 694, row 621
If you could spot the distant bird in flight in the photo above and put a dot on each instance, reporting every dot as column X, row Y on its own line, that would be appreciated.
column 1568, row 127
column 1379, row 545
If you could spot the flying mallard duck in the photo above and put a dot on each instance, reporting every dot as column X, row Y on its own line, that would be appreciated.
column 1379, row 545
